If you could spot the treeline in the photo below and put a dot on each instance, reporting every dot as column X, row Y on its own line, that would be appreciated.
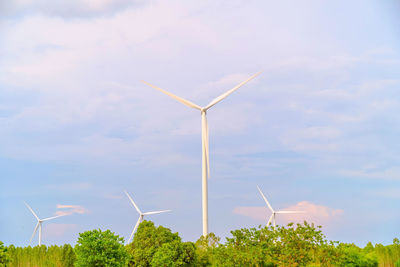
column 293, row 245
column 52, row 256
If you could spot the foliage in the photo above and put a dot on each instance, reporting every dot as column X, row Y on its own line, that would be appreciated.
column 353, row 256
column 100, row 248
column 4, row 256
column 204, row 248
column 293, row 245
column 68, row 256
column 298, row 245
column 175, row 253
column 158, row 246
column 53, row 256
column 388, row 255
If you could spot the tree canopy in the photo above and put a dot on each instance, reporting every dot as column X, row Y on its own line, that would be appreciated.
column 100, row 248
column 292, row 245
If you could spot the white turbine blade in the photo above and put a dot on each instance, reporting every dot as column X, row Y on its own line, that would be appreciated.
column 134, row 229
column 265, row 199
column 51, row 218
column 155, row 212
column 34, row 232
column 34, row 214
column 180, row 99
column 289, row 211
column 270, row 219
column 221, row 97
column 133, row 202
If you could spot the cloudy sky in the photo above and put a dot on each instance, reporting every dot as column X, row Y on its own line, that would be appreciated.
column 318, row 131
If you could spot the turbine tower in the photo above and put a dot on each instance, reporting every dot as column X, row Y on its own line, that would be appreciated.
column 204, row 139
column 39, row 224
column 141, row 215
column 272, row 218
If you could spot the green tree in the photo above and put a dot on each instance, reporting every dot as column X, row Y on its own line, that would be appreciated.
column 246, row 247
column 98, row 248
column 4, row 257
column 158, row 246
column 175, row 253
column 294, row 245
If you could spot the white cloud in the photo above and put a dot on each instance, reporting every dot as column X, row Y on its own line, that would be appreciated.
column 70, row 209
column 313, row 213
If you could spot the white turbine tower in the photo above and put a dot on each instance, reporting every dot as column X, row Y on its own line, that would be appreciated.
column 141, row 215
column 39, row 224
column 204, row 140
column 272, row 218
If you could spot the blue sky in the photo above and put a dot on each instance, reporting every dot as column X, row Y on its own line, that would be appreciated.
column 317, row 131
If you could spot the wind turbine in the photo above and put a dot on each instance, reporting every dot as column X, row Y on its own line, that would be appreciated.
column 39, row 224
column 272, row 218
column 141, row 215
column 204, row 139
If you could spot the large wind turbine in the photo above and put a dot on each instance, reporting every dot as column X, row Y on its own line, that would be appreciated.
column 272, row 218
column 39, row 224
column 141, row 215
column 204, row 140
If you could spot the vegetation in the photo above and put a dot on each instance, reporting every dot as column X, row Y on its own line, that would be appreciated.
column 4, row 256
column 98, row 248
column 54, row 256
column 293, row 245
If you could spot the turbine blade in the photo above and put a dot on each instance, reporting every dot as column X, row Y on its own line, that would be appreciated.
column 133, row 202
column 51, row 218
column 221, row 97
column 155, row 212
column 34, row 214
column 134, row 229
column 265, row 199
column 34, row 232
column 289, row 211
column 270, row 219
column 179, row 99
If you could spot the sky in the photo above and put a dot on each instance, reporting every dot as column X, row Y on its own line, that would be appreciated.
column 317, row 131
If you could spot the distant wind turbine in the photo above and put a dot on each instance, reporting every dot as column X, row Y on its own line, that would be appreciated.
column 272, row 218
column 141, row 215
column 39, row 224
column 204, row 139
